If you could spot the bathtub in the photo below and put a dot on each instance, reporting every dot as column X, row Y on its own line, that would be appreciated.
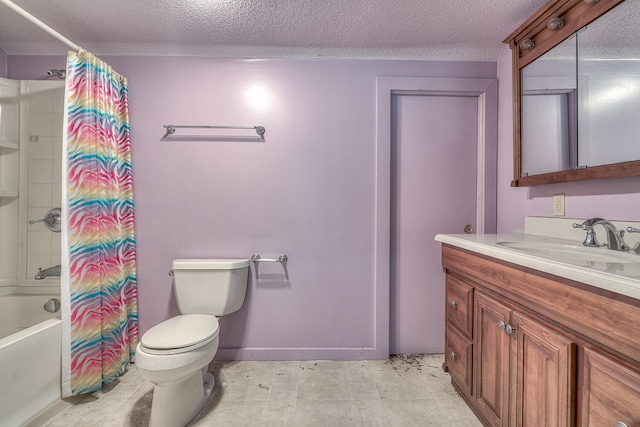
column 30, row 355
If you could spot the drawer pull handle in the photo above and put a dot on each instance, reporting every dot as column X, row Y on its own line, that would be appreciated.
column 453, row 304
column 453, row 355
column 620, row 424
column 502, row 325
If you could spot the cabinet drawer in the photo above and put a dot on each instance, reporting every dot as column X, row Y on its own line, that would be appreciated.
column 458, row 357
column 460, row 304
column 611, row 393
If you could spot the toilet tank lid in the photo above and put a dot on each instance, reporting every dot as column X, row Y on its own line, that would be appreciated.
column 209, row 264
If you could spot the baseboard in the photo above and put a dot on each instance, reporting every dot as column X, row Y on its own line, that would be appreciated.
column 296, row 354
column 52, row 412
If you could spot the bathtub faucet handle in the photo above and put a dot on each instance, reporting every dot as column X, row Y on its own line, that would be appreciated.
column 51, row 271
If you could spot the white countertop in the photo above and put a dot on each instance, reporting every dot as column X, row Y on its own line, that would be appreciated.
column 622, row 278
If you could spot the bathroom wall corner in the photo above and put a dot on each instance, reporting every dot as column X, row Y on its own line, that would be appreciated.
column 3, row 63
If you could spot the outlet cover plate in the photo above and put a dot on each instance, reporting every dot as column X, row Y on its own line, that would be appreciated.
column 558, row 204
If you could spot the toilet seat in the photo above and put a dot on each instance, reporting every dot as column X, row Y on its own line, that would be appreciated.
column 180, row 334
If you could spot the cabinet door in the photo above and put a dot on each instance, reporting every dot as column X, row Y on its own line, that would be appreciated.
column 492, row 359
column 611, row 393
column 543, row 364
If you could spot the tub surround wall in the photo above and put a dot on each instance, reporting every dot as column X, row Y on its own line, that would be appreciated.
column 30, row 177
column 42, row 142
column 613, row 199
column 9, row 180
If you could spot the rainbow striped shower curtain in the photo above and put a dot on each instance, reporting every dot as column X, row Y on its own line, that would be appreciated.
column 99, row 292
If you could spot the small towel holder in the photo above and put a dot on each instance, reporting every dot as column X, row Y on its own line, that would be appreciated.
column 282, row 259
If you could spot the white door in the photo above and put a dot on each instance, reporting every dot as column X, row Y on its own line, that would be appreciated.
column 433, row 190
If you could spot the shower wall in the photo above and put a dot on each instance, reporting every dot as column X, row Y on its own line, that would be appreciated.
column 9, row 180
column 31, row 123
column 41, row 128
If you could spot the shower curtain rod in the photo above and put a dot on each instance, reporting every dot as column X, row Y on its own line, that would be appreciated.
column 20, row 11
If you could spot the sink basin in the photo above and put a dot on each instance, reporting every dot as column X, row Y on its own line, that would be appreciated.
column 578, row 255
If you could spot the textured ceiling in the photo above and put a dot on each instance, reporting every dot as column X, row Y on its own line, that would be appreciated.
column 402, row 29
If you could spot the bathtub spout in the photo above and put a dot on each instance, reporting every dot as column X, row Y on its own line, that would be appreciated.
column 51, row 271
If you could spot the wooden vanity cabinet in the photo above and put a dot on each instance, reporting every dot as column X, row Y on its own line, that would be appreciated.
column 522, row 366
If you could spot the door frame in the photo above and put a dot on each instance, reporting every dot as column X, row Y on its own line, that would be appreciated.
column 486, row 92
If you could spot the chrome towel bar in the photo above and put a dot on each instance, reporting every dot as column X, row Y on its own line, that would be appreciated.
column 282, row 259
column 171, row 129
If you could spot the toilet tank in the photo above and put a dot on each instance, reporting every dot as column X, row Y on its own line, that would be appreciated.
column 210, row 286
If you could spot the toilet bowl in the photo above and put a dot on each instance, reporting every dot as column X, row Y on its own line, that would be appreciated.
column 174, row 354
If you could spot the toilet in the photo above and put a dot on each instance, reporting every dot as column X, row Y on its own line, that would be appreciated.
column 174, row 354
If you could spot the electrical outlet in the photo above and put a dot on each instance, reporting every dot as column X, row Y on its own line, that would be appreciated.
column 558, row 204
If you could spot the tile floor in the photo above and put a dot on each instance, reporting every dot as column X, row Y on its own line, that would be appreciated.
column 410, row 390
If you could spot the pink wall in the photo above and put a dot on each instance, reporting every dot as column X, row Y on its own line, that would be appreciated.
column 306, row 191
column 616, row 199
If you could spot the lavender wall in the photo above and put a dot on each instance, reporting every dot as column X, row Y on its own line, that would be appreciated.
column 3, row 64
column 616, row 199
column 33, row 67
column 307, row 190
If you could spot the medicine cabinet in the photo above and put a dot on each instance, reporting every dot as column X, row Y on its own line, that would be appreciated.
column 576, row 83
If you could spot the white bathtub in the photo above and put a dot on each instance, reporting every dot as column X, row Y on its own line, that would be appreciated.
column 30, row 357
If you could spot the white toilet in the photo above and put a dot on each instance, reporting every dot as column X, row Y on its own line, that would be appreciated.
column 174, row 355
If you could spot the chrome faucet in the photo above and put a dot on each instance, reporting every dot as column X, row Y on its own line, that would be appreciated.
column 51, row 271
column 615, row 240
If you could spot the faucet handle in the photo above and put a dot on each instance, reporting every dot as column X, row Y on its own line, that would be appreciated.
column 591, row 240
column 633, row 230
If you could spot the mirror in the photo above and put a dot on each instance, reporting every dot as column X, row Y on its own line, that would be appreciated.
column 549, row 106
column 577, row 92
column 609, row 88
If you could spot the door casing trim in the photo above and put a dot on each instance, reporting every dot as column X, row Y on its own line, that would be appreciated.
column 486, row 92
